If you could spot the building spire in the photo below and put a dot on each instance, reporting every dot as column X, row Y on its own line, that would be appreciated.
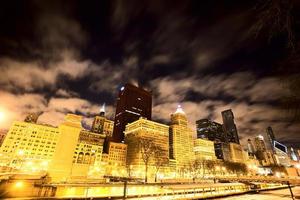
column 102, row 110
column 179, row 110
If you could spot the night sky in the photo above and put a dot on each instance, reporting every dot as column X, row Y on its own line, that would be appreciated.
column 71, row 56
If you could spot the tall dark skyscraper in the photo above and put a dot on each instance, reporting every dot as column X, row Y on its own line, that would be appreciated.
column 271, row 136
column 210, row 130
column 132, row 103
column 230, row 127
column 32, row 117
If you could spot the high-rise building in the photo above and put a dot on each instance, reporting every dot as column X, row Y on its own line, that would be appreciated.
column 222, row 151
column 236, row 153
column 181, row 138
column 250, row 147
column 102, row 125
column 293, row 155
column 87, row 156
column 260, row 144
column 32, row 117
column 271, row 136
column 281, row 154
column 204, row 149
column 269, row 158
column 260, row 147
column 210, row 130
column 65, row 151
column 132, row 103
column 230, row 127
column 138, row 136
column 28, row 142
column 114, row 161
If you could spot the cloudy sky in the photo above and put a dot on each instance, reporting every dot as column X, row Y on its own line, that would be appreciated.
column 71, row 56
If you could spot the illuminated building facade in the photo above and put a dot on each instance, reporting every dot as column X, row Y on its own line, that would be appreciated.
column 269, row 158
column 102, row 125
column 204, row 149
column 114, row 161
column 143, row 128
column 293, row 154
column 250, row 147
column 210, row 130
column 89, row 148
column 88, row 155
column 64, row 152
column 231, row 134
column 181, row 139
column 281, row 154
column 236, row 153
column 260, row 147
column 132, row 103
column 28, row 142
column 222, row 151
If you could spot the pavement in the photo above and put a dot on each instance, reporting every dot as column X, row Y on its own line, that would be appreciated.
column 283, row 194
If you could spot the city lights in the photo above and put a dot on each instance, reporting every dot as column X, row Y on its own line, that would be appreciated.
column 149, row 99
column 19, row 184
column 150, row 152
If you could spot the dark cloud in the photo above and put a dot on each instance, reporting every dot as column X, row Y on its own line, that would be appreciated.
column 61, row 57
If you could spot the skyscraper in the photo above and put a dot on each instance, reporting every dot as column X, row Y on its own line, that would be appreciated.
column 250, row 147
column 271, row 136
column 101, row 124
column 261, row 151
column 181, row 138
column 132, row 103
column 210, row 130
column 32, row 117
column 230, row 129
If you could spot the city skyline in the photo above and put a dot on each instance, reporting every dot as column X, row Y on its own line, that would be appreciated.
column 46, row 67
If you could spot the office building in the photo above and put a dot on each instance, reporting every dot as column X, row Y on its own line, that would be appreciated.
column 271, row 136
column 65, row 152
column 102, row 125
column 32, row 117
column 210, row 130
column 154, row 134
column 132, row 103
column 87, row 156
column 268, row 158
column 28, row 143
column 222, row 151
column 88, row 148
column 236, row 153
column 230, row 129
column 181, row 139
column 293, row 155
column 114, row 161
column 281, row 154
column 260, row 147
column 250, row 147
column 204, row 149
